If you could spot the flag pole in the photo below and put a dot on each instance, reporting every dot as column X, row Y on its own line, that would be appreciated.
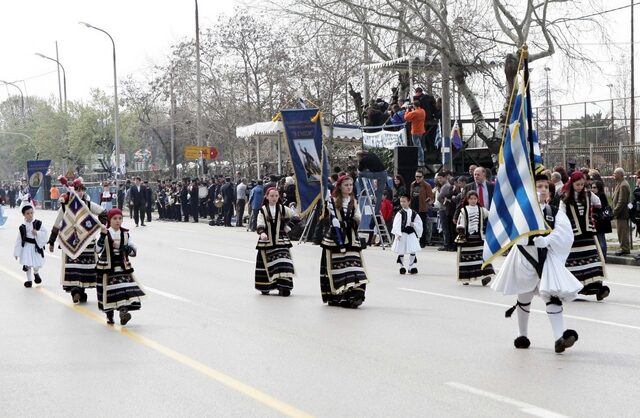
column 525, row 53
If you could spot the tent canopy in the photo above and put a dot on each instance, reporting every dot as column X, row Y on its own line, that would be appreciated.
column 349, row 132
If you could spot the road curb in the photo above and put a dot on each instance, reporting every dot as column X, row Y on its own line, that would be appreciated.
column 622, row 260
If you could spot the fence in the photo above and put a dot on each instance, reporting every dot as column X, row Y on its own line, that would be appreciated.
column 604, row 158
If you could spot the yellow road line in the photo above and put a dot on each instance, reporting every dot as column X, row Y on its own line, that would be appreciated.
column 219, row 377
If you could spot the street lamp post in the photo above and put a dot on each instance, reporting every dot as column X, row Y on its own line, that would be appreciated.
column 613, row 130
column 21, row 97
column 115, row 97
column 547, row 136
column 64, row 79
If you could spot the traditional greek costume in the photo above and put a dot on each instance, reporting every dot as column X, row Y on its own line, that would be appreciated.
column 343, row 277
column 274, row 265
column 407, row 230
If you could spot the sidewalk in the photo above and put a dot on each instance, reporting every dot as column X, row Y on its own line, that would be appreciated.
column 612, row 246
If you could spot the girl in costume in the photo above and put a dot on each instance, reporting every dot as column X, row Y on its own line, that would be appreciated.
column 77, row 274
column 470, row 227
column 407, row 228
column 585, row 260
column 274, row 266
column 343, row 278
column 106, row 197
column 117, row 288
column 29, row 246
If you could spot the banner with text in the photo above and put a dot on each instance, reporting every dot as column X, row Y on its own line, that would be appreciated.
column 303, row 133
column 384, row 138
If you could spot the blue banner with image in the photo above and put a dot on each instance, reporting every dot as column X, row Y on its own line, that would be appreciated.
column 303, row 133
column 36, row 170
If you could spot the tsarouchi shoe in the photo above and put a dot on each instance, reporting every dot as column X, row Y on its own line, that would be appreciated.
column 569, row 337
column 521, row 342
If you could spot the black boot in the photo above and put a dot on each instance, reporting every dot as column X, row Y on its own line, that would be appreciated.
column 284, row 292
column 568, row 339
column 76, row 294
column 486, row 281
column 603, row 292
column 109, row 317
column 27, row 284
column 403, row 270
column 521, row 342
column 413, row 270
column 125, row 316
column 83, row 297
column 37, row 278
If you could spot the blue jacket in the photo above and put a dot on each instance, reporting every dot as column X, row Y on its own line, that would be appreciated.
column 256, row 197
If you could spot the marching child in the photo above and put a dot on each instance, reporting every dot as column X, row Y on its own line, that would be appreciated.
column 117, row 288
column 407, row 230
column 470, row 227
column 274, row 266
column 29, row 247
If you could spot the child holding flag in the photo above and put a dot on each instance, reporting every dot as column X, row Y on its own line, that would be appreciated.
column 343, row 279
column 117, row 288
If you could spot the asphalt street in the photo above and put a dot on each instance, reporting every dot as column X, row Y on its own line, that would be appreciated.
column 207, row 344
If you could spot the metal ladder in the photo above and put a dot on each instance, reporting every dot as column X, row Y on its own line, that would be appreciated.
column 367, row 208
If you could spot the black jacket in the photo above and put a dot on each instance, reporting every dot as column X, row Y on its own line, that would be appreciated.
column 371, row 162
column 139, row 198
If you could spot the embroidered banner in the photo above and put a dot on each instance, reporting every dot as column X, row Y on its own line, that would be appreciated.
column 78, row 227
column 36, row 169
column 303, row 132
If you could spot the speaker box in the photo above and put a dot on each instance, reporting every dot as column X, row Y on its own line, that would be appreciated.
column 405, row 161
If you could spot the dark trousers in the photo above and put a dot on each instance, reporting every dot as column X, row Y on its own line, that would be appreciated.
column 138, row 214
column 227, row 210
column 424, row 238
column 254, row 219
column 149, row 210
column 185, row 210
column 447, row 229
column 240, row 211
column 194, row 212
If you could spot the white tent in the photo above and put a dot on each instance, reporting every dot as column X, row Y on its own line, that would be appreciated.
column 275, row 130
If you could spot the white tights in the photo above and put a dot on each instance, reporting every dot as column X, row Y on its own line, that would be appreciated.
column 554, row 313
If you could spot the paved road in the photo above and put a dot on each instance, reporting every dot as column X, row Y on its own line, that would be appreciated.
column 207, row 344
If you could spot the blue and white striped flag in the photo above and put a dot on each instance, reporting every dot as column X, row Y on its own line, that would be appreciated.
column 515, row 211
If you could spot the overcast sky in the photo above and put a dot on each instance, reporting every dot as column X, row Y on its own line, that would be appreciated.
column 144, row 30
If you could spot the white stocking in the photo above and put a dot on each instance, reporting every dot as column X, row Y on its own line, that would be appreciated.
column 29, row 274
column 523, row 308
column 554, row 312
column 413, row 261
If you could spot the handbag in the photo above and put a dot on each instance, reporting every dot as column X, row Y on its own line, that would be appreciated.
column 218, row 202
column 606, row 214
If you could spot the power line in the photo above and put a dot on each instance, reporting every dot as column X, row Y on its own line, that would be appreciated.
column 606, row 11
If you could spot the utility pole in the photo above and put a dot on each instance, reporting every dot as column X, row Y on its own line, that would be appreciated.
column 548, row 133
column 199, row 97
column 633, row 90
column 446, row 107
column 173, row 127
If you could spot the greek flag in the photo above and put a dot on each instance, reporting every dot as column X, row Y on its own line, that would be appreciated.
column 515, row 212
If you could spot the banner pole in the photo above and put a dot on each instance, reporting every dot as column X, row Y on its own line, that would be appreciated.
column 525, row 52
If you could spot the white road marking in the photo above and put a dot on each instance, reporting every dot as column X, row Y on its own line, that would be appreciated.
column 622, row 284
column 216, row 255
column 522, row 406
column 483, row 302
column 166, row 294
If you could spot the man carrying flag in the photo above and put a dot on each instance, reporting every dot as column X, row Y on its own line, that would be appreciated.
column 542, row 233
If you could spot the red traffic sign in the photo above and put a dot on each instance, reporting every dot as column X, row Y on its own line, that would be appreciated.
column 213, row 153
